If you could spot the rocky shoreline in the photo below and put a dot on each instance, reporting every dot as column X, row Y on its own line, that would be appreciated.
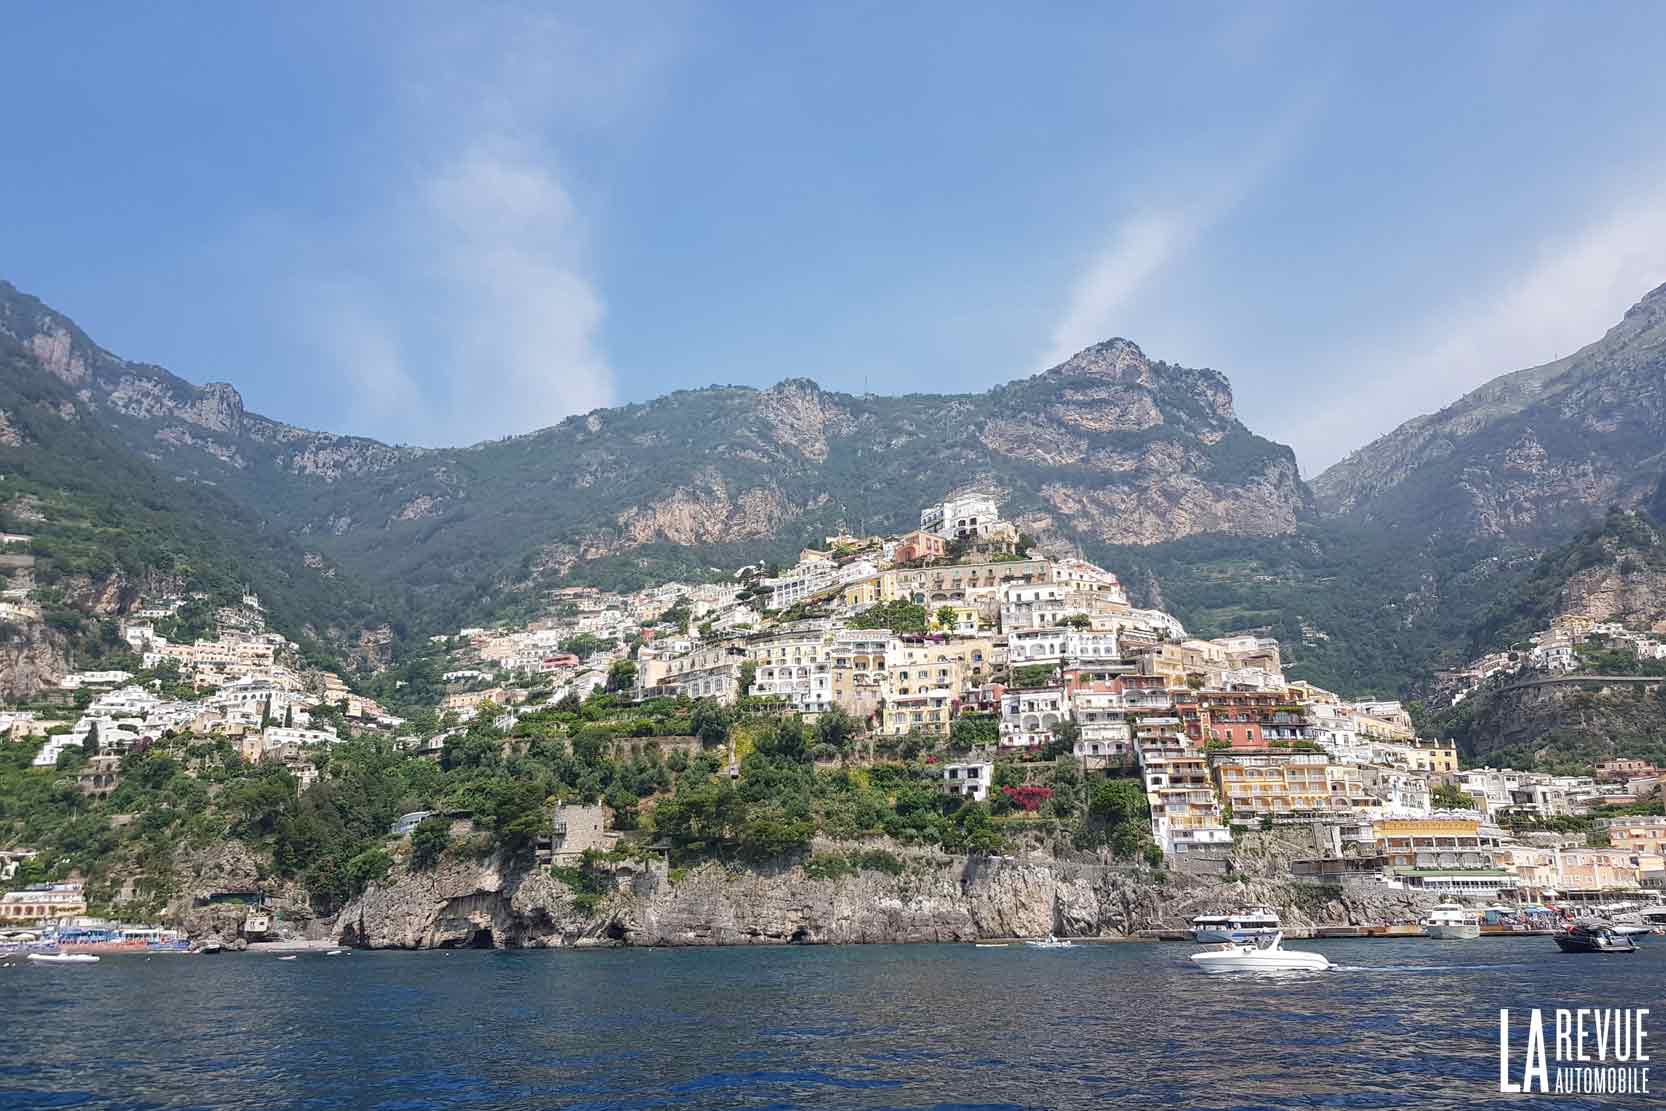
column 483, row 903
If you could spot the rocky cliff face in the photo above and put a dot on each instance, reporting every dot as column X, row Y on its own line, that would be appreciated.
column 192, row 427
column 32, row 658
column 1618, row 573
column 1566, row 725
column 1529, row 454
column 936, row 899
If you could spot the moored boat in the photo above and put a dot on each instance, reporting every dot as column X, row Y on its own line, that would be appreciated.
column 1451, row 922
column 64, row 958
column 1263, row 954
column 1244, row 924
column 1593, row 935
column 1049, row 942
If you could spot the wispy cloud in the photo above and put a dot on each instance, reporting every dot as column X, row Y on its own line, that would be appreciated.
column 507, row 242
column 1140, row 245
column 1138, row 249
column 469, row 311
column 1564, row 293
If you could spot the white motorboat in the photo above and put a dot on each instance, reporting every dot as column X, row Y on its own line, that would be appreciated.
column 64, row 958
column 1244, row 924
column 1263, row 954
column 1451, row 922
column 1050, row 942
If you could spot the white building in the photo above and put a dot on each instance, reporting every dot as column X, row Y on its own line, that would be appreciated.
column 78, row 679
column 958, row 518
column 1028, row 716
column 970, row 780
column 1061, row 644
column 809, row 578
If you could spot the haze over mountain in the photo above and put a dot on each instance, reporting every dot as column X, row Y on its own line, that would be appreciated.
column 1109, row 446
column 1385, row 563
column 1530, row 454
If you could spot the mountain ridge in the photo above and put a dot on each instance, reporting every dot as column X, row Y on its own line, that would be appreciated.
column 1570, row 426
column 1109, row 445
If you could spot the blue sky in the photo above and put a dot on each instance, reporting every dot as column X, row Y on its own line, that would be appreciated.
column 442, row 223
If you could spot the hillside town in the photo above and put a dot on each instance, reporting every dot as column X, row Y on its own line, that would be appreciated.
column 1002, row 672
column 1573, row 643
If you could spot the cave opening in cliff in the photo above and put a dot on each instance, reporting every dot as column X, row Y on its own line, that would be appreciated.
column 482, row 939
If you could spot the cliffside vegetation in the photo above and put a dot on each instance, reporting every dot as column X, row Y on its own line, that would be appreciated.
column 183, row 794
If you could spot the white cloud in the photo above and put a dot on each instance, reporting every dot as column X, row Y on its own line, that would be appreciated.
column 508, row 246
column 1565, row 293
column 466, row 309
column 1139, row 247
column 1137, row 250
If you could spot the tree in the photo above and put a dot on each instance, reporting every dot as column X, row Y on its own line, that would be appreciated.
column 748, row 672
column 1065, row 736
column 89, row 744
column 368, row 867
column 1448, row 796
column 429, row 842
column 621, row 676
column 1118, row 802
column 974, row 731
column 710, row 722
column 945, row 617
column 898, row 616
column 836, row 729
column 788, row 742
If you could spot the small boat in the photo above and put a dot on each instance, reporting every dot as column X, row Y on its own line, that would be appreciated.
column 335, row 952
column 1593, row 935
column 291, row 957
column 992, row 945
column 1244, row 924
column 1451, row 922
column 1264, row 954
column 1049, row 942
column 64, row 958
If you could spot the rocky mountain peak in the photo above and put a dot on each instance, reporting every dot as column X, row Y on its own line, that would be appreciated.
column 1118, row 360
column 217, row 407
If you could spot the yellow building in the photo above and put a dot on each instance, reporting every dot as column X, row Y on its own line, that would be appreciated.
column 1274, row 784
column 1637, row 834
column 1167, row 661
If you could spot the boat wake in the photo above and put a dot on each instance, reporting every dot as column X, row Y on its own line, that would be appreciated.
column 1422, row 967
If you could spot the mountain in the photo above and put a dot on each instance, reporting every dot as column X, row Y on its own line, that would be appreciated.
column 1530, row 456
column 1612, row 572
column 1108, row 447
column 105, row 524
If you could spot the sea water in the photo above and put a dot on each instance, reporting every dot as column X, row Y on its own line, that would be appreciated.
column 1399, row 1024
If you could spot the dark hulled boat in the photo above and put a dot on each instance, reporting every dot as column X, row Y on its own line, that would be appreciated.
column 1593, row 935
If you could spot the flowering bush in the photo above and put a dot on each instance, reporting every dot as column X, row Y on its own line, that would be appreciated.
column 1028, row 798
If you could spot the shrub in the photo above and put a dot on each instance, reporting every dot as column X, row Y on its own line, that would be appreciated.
column 827, row 866
column 429, row 842
column 1027, row 798
column 878, row 860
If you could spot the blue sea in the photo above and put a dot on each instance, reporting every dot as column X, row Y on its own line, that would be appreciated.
column 1399, row 1024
